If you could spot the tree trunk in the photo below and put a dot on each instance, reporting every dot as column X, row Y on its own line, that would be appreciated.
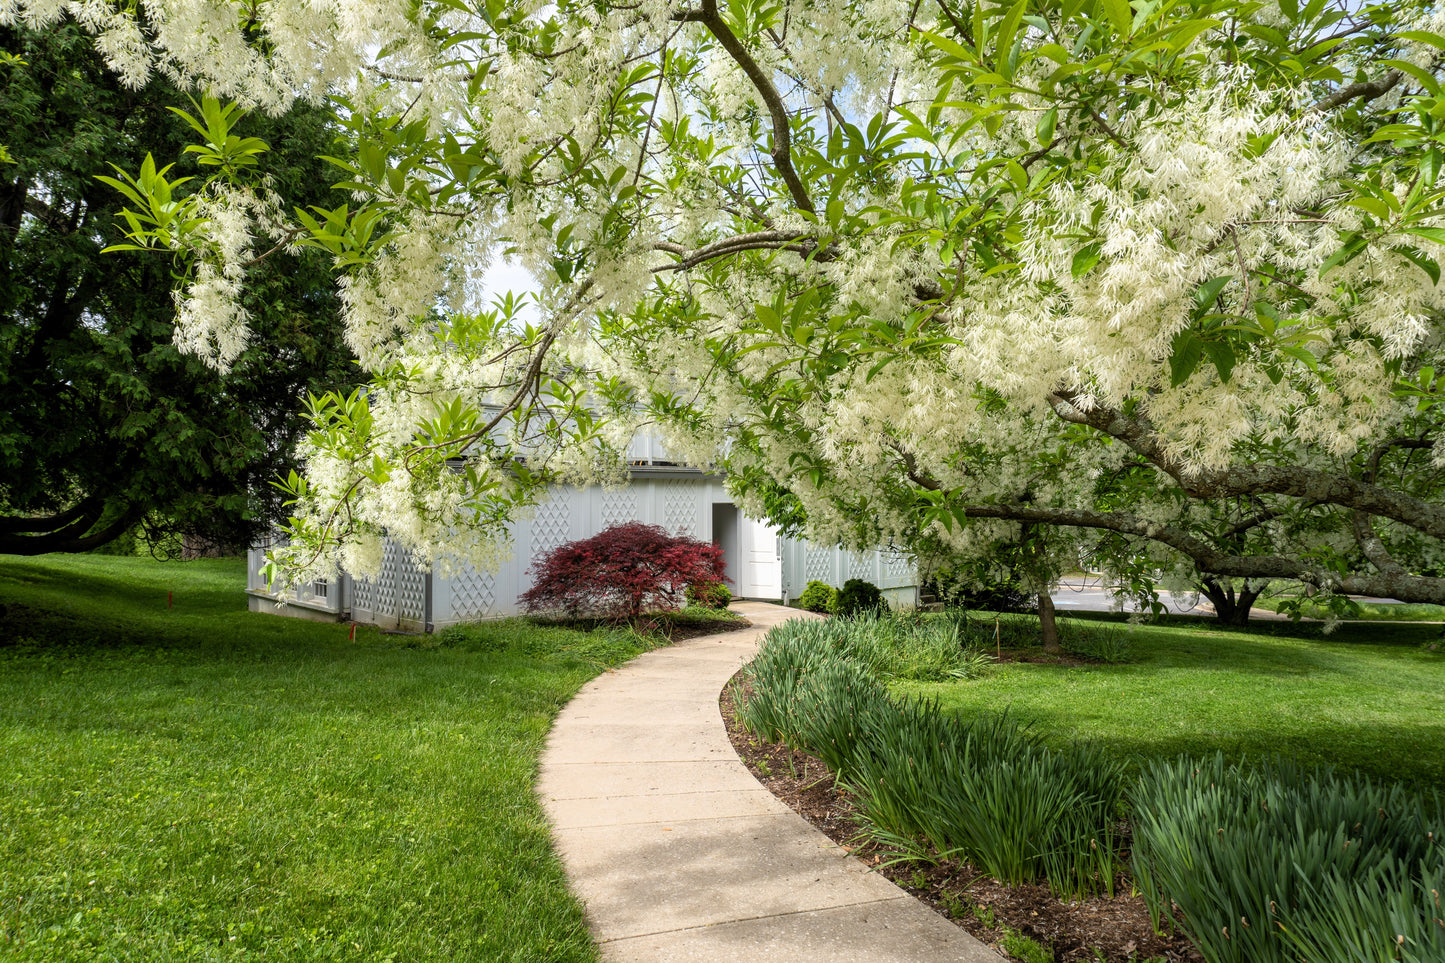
column 1047, row 626
column 1229, row 608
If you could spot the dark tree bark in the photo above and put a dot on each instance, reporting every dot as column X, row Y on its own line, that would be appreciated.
column 1229, row 608
column 1047, row 626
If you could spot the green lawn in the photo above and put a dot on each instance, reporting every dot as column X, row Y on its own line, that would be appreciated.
column 1367, row 697
column 1374, row 611
column 201, row 783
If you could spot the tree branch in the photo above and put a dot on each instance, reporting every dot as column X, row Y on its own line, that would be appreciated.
column 1373, row 464
column 1396, row 584
column 782, row 136
column 1373, row 547
column 18, row 524
column 1366, row 90
column 78, row 536
column 1296, row 481
column 754, row 241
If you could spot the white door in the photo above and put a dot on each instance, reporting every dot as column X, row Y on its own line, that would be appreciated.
column 763, row 562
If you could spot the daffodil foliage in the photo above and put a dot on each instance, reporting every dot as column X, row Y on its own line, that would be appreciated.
column 1160, row 279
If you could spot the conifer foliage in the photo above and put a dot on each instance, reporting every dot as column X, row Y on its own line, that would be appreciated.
column 623, row 571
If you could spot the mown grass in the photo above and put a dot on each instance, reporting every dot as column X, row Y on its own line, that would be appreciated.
column 202, row 783
column 1367, row 698
column 1372, row 611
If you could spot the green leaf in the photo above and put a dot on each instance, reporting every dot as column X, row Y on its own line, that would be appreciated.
column 1426, row 79
column 1182, row 35
column 1188, row 349
column 1045, row 129
column 1084, row 259
column 1415, row 256
column 1436, row 234
column 1348, row 251
column 1207, row 292
column 1423, row 36
column 1055, row 53
column 951, row 47
column 1430, row 167
column 1004, row 39
column 1120, row 14
column 1302, row 355
column 1222, row 354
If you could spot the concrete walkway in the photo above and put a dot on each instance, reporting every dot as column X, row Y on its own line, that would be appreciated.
column 680, row 854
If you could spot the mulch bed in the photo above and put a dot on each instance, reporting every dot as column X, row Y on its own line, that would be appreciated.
column 1097, row 930
column 677, row 633
column 660, row 624
column 1038, row 656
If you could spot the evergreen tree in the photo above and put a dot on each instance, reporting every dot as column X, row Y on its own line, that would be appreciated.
column 106, row 424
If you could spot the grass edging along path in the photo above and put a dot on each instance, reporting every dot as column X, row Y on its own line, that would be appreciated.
column 202, row 783
column 1364, row 697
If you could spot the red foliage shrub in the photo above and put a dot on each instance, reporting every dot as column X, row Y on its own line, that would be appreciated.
column 622, row 571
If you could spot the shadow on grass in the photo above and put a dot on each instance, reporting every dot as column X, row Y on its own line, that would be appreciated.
column 1406, row 753
column 1352, row 633
column 1356, row 703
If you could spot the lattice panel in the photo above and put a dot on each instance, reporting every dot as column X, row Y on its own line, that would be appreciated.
column 679, row 507
column 618, row 507
column 410, row 585
column 378, row 595
column 897, row 569
column 363, row 595
column 860, row 566
column 551, row 526
column 819, row 567
column 474, row 594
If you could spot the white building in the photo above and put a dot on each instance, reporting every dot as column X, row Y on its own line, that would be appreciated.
column 760, row 563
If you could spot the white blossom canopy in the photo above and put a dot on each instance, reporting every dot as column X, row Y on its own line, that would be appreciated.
column 1160, row 278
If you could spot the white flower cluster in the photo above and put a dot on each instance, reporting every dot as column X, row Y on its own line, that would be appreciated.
column 926, row 355
column 211, row 321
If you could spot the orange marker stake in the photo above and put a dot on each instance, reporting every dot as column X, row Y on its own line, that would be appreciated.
column 170, row 600
column 353, row 631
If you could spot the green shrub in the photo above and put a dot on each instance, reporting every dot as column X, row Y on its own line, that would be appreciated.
column 709, row 595
column 818, row 597
column 1273, row 863
column 857, row 596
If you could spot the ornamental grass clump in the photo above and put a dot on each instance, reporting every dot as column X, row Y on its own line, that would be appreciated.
column 990, row 792
column 1275, row 863
column 986, row 791
column 804, row 692
column 1101, row 642
column 906, row 646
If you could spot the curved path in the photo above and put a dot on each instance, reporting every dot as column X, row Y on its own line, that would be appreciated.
column 680, row 854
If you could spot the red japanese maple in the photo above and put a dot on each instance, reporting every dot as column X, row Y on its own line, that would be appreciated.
column 624, row 570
